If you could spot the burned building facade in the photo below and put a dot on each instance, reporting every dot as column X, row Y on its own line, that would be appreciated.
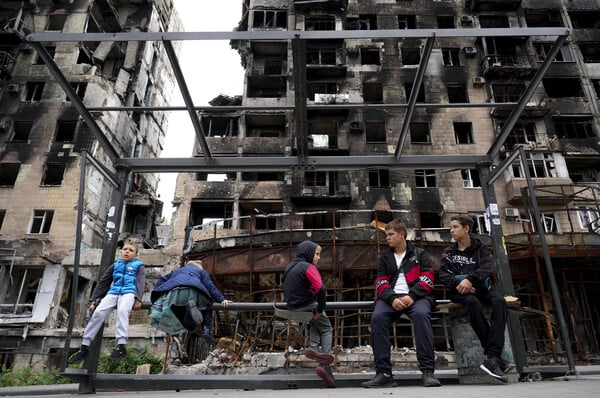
column 446, row 86
column 45, row 135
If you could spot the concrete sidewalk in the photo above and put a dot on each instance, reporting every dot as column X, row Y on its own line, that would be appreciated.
column 586, row 383
column 557, row 388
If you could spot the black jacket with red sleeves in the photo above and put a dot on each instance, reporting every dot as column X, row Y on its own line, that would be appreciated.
column 417, row 269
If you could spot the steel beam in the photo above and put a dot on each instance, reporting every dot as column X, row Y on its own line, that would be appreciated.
column 187, row 99
column 286, row 163
column 533, row 83
column 296, row 34
column 412, row 100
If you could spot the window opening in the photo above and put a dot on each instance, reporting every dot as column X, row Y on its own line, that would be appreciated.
column 410, row 55
column 425, row 178
column 21, row 131
column 574, row 127
column 53, row 173
column 41, row 221
column 463, row 132
column 33, row 91
column 375, row 132
column 379, row 178
column 419, row 133
column 65, row 130
column 407, row 22
column 369, row 56
column 9, row 173
column 470, row 178
column 372, row 92
column 446, row 22
column 451, row 56
column 457, row 93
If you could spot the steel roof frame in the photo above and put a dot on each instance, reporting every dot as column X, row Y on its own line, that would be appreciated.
column 234, row 163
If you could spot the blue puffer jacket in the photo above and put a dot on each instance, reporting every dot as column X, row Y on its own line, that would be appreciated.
column 188, row 276
column 124, row 276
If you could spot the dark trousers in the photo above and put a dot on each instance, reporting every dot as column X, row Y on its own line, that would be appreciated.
column 382, row 318
column 490, row 334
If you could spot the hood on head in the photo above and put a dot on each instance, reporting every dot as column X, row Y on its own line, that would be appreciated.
column 306, row 250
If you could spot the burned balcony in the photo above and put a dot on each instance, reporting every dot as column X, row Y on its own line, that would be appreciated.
column 321, row 187
column 321, row 5
column 492, row 5
column 537, row 106
column 506, row 57
column 549, row 191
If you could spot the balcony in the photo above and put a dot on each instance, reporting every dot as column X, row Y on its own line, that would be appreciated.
column 500, row 66
column 492, row 5
column 322, row 5
column 555, row 190
column 537, row 106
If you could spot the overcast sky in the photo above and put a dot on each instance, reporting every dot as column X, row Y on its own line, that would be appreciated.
column 210, row 68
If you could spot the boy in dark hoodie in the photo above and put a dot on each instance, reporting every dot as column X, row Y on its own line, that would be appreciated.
column 303, row 291
column 465, row 269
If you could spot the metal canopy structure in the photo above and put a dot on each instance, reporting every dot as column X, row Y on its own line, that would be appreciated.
column 298, row 39
column 208, row 163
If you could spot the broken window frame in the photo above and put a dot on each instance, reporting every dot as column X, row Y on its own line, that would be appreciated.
column 319, row 23
column 379, row 178
column 541, row 165
column 563, row 55
column 407, row 21
column 425, row 178
column 2, row 217
column 567, row 128
column 464, row 134
column 470, row 178
column 34, row 91
column 451, row 56
column 79, row 88
column 41, row 222
column 589, row 218
column 541, row 18
column 420, row 133
column 271, row 19
column 481, row 225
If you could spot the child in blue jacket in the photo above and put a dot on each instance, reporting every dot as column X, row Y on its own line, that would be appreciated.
column 121, row 287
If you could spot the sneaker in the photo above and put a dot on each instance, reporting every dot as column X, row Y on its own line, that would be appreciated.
column 491, row 366
column 507, row 366
column 118, row 353
column 79, row 356
column 323, row 358
column 380, row 380
column 429, row 380
column 325, row 373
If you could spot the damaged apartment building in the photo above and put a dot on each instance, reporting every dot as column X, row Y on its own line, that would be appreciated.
column 354, row 95
column 43, row 138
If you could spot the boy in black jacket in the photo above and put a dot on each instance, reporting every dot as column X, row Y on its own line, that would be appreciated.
column 465, row 269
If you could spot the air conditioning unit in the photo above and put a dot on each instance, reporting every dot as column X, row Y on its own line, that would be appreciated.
column 466, row 19
column 357, row 127
column 470, row 50
column 478, row 81
column 511, row 212
column 12, row 88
